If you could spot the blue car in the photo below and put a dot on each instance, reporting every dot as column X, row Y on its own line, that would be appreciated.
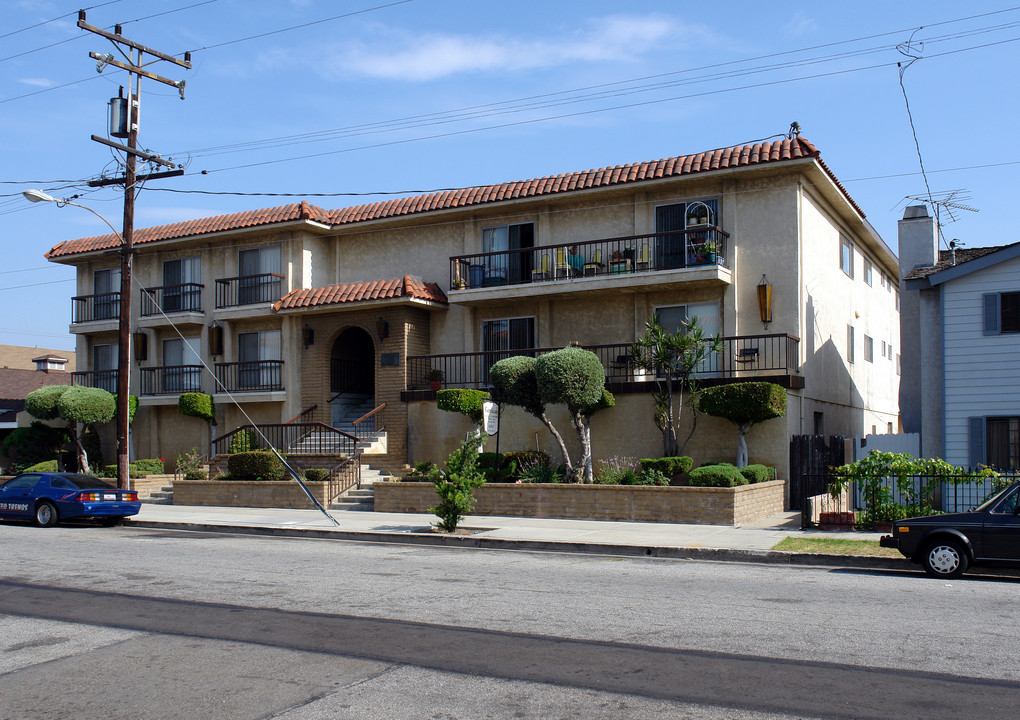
column 49, row 497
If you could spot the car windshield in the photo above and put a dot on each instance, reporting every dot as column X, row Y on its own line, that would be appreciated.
column 81, row 482
column 992, row 500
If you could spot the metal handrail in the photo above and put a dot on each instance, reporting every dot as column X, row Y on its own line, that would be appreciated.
column 262, row 288
column 302, row 414
column 344, row 476
column 292, row 438
column 370, row 423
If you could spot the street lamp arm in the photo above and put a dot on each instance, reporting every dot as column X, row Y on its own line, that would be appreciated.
column 39, row 196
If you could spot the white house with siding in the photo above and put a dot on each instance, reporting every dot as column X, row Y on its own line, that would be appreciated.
column 961, row 383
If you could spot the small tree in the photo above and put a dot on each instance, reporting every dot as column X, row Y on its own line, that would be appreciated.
column 514, row 383
column 673, row 358
column 463, row 401
column 575, row 377
column 744, row 404
column 80, row 406
column 457, row 485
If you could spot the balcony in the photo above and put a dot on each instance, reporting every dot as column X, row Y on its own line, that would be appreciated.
column 94, row 308
column 249, row 290
column 102, row 379
column 685, row 255
column 171, row 379
column 168, row 299
column 743, row 358
column 250, row 376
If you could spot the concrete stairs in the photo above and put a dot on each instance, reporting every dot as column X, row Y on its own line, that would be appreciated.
column 362, row 498
column 154, row 489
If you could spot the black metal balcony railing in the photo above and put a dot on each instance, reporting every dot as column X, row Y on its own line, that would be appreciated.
column 744, row 356
column 102, row 379
column 86, row 308
column 248, row 290
column 289, row 438
column 250, row 376
column 171, row 298
column 171, row 379
column 610, row 257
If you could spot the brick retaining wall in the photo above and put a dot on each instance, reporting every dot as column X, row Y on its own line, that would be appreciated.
column 697, row 505
column 231, row 493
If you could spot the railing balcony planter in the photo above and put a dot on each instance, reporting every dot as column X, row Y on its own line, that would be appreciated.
column 171, row 379
column 249, row 290
column 743, row 357
column 91, row 308
column 167, row 299
column 102, row 379
column 250, row 376
column 616, row 257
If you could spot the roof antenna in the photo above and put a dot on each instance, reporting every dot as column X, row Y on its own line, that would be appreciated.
column 794, row 130
column 953, row 244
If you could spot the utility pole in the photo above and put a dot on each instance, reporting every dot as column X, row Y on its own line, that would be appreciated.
column 133, row 54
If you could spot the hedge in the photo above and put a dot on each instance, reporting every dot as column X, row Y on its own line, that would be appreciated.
column 316, row 474
column 464, row 401
column 675, row 468
column 44, row 466
column 527, row 458
column 196, row 404
column 254, row 465
column 721, row 475
column 243, row 441
column 744, row 403
column 42, row 403
column 153, row 466
column 757, row 473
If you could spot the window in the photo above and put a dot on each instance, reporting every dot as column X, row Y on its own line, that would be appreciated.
column 883, row 279
column 257, row 353
column 897, row 301
column 504, row 338
column 1001, row 313
column 672, row 251
column 671, row 317
column 867, row 271
column 106, row 287
column 995, row 441
column 182, row 371
column 104, row 366
column 869, row 349
column 507, row 267
column 850, row 343
column 890, row 428
column 846, row 255
column 897, row 363
column 256, row 268
column 179, row 273
column 884, row 346
column 819, row 423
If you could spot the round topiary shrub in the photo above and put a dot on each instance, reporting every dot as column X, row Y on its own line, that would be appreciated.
column 254, row 465
column 316, row 474
column 757, row 473
column 721, row 475
column 196, row 474
column 196, row 404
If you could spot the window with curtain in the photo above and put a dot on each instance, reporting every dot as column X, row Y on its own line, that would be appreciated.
column 176, row 274
column 254, row 351
column 254, row 264
column 508, row 267
column 104, row 366
column 104, row 284
column 182, row 370
column 672, row 317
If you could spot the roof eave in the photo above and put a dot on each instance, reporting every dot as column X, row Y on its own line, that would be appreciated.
column 353, row 305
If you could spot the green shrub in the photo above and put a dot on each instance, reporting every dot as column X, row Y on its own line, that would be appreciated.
column 757, row 473
column 652, row 477
column 27, row 446
column 86, row 405
column 242, row 441
column 720, row 475
column 132, row 407
column 744, row 403
column 674, row 468
column 42, row 403
column 540, row 471
column 422, row 472
column 44, row 466
column 573, row 377
column 110, row 471
column 617, row 471
column 151, row 466
column 94, row 448
column 522, row 458
column 196, row 474
column 316, row 474
column 196, row 404
column 254, row 465
column 190, row 460
column 463, row 401
column 457, row 485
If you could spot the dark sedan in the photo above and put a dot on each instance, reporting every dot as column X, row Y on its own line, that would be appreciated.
column 49, row 497
column 946, row 545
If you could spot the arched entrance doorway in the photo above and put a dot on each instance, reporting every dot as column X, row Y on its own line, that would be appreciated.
column 351, row 376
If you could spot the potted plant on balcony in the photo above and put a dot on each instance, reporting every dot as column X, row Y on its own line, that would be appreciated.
column 435, row 377
column 709, row 249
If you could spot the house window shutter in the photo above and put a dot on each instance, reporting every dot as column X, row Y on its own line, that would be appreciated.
column 976, row 441
column 991, row 313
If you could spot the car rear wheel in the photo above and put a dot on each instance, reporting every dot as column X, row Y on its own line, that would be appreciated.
column 46, row 514
column 945, row 558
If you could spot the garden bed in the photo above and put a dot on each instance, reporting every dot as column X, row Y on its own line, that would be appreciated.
column 695, row 505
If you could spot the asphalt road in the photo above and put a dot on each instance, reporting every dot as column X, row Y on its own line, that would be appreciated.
column 135, row 623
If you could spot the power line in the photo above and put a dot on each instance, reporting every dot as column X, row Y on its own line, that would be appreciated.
column 59, row 17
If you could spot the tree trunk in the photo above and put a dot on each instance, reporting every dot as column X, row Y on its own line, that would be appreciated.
column 583, row 469
column 742, row 445
column 559, row 440
column 83, row 458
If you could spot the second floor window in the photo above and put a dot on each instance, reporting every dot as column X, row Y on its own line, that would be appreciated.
column 1001, row 313
column 179, row 280
column 182, row 370
column 256, row 353
column 846, row 256
column 104, row 367
column 106, row 287
column 673, row 251
column 255, row 267
column 508, row 267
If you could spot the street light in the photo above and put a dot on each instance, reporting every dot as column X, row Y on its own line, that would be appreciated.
column 124, row 357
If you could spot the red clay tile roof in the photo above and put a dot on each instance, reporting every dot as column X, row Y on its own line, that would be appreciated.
column 406, row 286
column 732, row 157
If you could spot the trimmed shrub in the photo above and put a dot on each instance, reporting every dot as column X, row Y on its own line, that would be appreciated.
column 27, row 446
column 86, row 405
column 652, row 477
column 316, row 474
column 757, row 473
column 242, row 441
column 132, row 407
column 522, row 458
column 675, row 468
column 514, row 383
column 573, row 377
column 744, row 403
column 42, row 403
column 196, row 404
column 44, row 466
column 110, row 471
column 463, row 401
column 254, row 465
column 721, row 475
column 196, row 474
column 153, row 466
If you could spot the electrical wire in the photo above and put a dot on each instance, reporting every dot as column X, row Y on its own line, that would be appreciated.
column 59, row 17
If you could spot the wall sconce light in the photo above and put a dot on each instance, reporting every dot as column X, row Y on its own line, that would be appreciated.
column 765, row 301
column 307, row 336
column 141, row 343
column 382, row 328
column 215, row 340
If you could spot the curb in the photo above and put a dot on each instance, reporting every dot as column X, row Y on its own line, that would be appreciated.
column 766, row 557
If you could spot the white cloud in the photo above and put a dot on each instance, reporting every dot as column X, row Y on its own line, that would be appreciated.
column 36, row 82
column 800, row 24
column 402, row 55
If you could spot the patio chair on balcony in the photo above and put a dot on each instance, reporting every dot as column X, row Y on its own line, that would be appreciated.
column 594, row 266
column 643, row 261
column 563, row 267
column 747, row 355
column 544, row 270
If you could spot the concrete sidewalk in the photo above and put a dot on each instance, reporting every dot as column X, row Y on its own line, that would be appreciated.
column 749, row 543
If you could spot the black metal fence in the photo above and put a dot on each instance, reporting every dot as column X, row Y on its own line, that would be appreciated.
column 250, row 376
column 248, row 290
column 611, row 256
column 171, row 379
column 288, row 438
column 102, row 379
column 745, row 356
column 87, row 308
column 171, row 299
column 875, row 503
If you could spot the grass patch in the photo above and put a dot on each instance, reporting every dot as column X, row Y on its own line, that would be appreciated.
column 835, row 546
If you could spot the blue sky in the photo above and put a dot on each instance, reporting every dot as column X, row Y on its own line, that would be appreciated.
column 428, row 94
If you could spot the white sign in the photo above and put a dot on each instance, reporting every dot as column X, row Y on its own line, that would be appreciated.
column 490, row 417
